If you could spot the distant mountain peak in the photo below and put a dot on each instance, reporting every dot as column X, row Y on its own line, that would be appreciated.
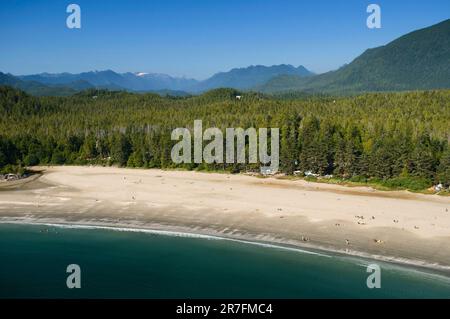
column 249, row 77
column 237, row 78
column 140, row 73
column 419, row 60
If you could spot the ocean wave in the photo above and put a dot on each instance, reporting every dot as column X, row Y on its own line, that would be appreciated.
column 169, row 233
column 362, row 259
column 120, row 229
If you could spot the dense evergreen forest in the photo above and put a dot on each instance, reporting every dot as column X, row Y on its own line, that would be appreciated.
column 400, row 139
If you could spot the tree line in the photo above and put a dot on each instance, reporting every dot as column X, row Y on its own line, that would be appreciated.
column 401, row 139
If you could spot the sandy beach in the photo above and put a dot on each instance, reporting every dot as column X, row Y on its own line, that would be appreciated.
column 397, row 226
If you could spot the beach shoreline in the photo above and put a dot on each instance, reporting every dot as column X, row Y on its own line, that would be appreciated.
column 270, row 211
column 178, row 231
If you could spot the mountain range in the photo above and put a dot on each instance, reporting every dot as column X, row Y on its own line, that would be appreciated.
column 239, row 78
column 417, row 60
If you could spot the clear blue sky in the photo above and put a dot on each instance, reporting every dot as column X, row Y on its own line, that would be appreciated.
column 196, row 38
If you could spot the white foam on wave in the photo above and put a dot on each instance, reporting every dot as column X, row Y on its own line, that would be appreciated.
column 359, row 258
column 303, row 251
column 126, row 229
column 169, row 233
column 401, row 265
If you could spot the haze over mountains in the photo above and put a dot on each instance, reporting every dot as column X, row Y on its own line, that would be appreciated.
column 239, row 78
column 417, row 60
column 112, row 80
column 251, row 77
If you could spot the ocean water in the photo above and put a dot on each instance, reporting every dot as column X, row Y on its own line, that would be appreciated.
column 129, row 264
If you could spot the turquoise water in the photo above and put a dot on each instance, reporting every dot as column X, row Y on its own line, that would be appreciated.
column 125, row 264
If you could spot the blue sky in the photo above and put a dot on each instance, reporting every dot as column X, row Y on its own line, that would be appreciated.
column 196, row 38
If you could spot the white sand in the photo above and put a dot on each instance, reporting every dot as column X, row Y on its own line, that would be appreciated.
column 406, row 225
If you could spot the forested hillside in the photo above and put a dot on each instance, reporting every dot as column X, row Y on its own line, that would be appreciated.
column 397, row 138
column 419, row 60
column 250, row 77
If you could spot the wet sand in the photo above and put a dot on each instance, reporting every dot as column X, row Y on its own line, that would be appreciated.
column 397, row 226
